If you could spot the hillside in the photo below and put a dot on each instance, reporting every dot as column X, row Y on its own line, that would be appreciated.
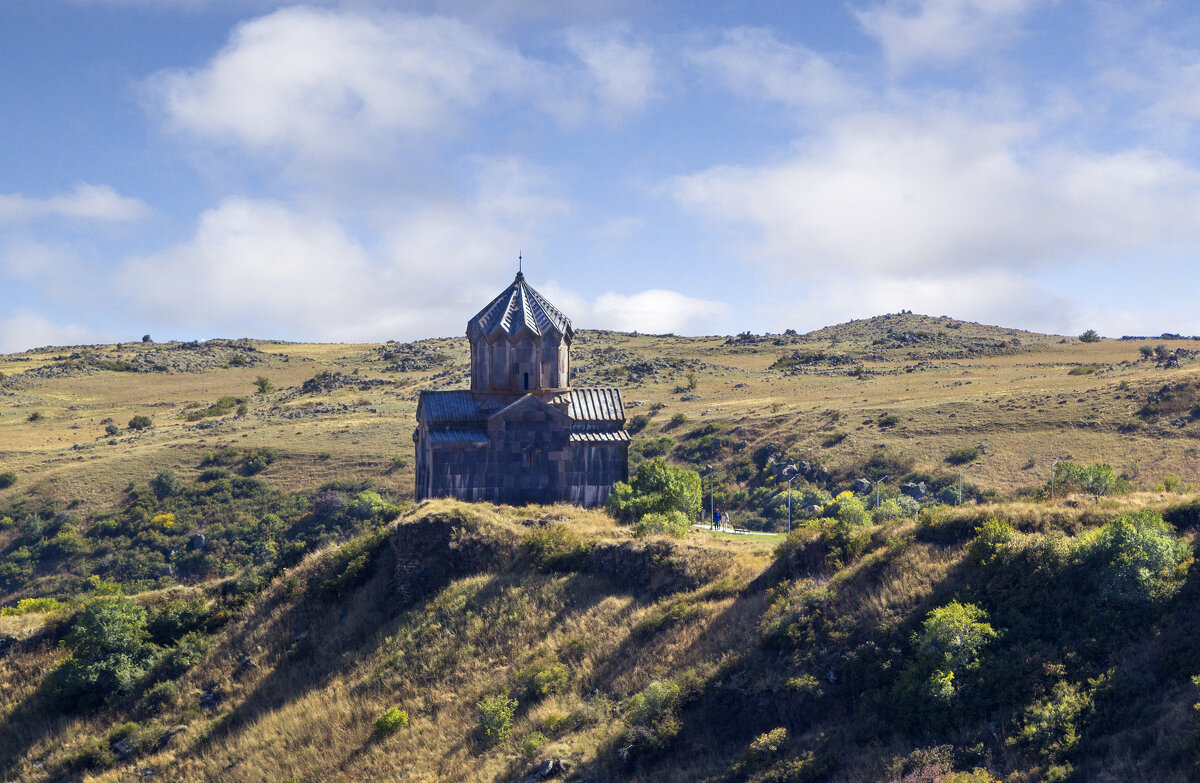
column 258, row 526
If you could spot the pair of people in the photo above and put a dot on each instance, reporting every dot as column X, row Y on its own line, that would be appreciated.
column 720, row 519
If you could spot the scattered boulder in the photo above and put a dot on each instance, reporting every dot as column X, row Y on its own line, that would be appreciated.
column 914, row 491
column 124, row 749
column 7, row 643
column 862, row 485
column 198, row 541
column 550, row 768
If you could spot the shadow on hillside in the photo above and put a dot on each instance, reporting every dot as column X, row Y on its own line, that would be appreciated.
column 749, row 694
column 30, row 722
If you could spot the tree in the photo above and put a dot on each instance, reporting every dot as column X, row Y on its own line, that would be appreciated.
column 657, row 488
column 109, row 651
column 146, row 338
column 165, row 484
column 140, row 423
column 1141, row 560
column 264, row 385
column 1090, row 336
column 949, row 642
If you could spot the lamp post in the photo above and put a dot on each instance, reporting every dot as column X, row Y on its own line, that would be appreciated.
column 885, row 478
column 712, row 504
column 1052, row 464
column 960, row 475
column 789, row 474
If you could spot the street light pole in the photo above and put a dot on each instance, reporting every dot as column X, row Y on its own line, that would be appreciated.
column 712, row 504
column 960, row 475
column 877, row 483
column 795, row 473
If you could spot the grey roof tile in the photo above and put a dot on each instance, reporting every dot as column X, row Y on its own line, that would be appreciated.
column 520, row 307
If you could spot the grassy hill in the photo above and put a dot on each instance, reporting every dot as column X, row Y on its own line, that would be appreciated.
column 263, row 538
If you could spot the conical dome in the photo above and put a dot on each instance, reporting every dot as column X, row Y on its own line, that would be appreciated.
column 519, row 307
column 520, row 343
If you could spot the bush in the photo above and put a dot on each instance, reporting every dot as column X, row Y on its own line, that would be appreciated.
column 963, row 455
column 657, row 488
column 264, row 385
column 653, row 716
column 164, row 694
column 111, row 429
column 1097, row 479
column 496, row 717
column 896, row 508
column 7, row 479
column 949, row 643
column 765, row 747
column 140, row 423
column 889, row 420
column 1141, row 559
column 1090, row 336
column 543, row 676
column 109, row 650
column 392, row 720
column 165, row 484
column 533, row 744
column 673, row 523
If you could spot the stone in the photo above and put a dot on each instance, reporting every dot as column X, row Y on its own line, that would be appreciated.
column 124, row 749
column 914, row 491
column 7, row 642
column 862, row 485
column 198, row 541
column 548, row 769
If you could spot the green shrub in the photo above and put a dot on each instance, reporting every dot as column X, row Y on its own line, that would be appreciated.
column 1085, row 369
column 7, row 479
column 637, row 424
column 1090, row 336
column 890, row 420
column 140, row 423
column 164, row 694
column 653, row 716
column 369, row 504
column 949, row 643
column 901, row 507
column 111, row 429
column 765, row 748
column 30, row 605
column 1052, row 724
column 543, row 676
column 263, row 385
column 990, row 538
column 834, row 439
column 108, row 652
column 532, row 744
column 673, row 523
column 392, row 720
column 963, row 455
column 1141, row 559
column 35, row 416
column 657, row 487
column 165, row 484
column 496, row 717
column 1096, row 479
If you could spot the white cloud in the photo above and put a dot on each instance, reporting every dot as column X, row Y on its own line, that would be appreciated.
column 656, row 311
column 36, row 262
column 320, row 85
column 886, row 194
column 85, row 202
column 263, row 267
column 916, row 31
column 621, row 73
column 753, row 62
column 25, row 329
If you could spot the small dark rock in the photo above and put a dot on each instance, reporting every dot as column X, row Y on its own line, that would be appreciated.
column 124, row 749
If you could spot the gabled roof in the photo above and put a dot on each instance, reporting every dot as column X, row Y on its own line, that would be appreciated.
column 526, row 401
column 596, row 404
column 448, row 407
column 519, row 307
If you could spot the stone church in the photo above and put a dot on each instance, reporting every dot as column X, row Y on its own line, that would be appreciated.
column 521, row 434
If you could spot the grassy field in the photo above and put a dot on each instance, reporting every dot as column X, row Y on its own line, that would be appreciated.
column 293, row 593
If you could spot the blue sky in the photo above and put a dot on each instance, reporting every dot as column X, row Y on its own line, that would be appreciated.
column 366, row 170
